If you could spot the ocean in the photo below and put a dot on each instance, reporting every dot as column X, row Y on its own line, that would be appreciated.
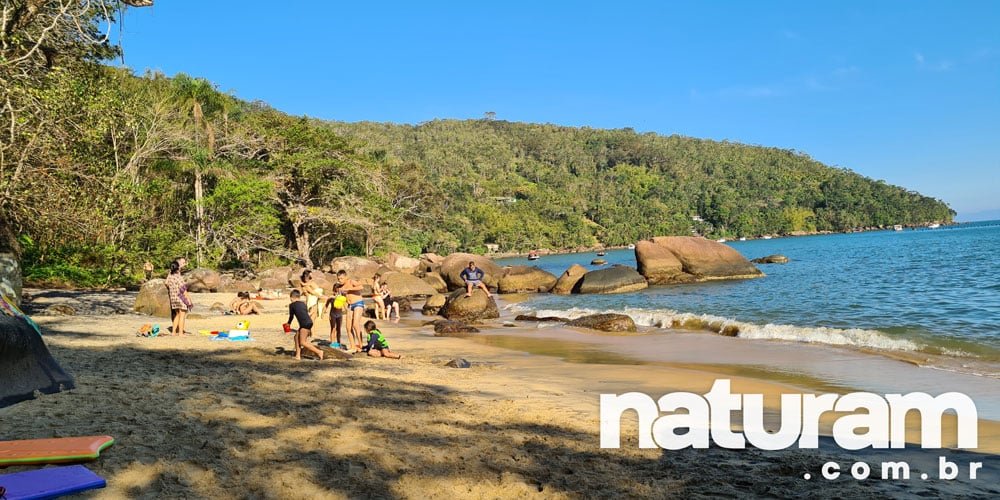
column 933, row 291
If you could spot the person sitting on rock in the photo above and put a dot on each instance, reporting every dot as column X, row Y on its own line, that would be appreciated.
column 473, row 278
column 242, row 305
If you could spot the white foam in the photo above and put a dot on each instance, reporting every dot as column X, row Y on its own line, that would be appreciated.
column 664, row 318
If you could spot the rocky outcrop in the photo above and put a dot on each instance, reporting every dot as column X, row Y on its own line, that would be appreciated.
column 565, row 284
column 356, row 267
column 407, row 285
column 153, row 299
column 436, row 281
column 771, row 259
column 433, row 304
column 598, row 262
column 605, row 322
column 616, row 279
column 526, row 279
column 403, row 263
column 10, row 277
column 453, row 328
column 541, row 319
column 701, row 260
column 459, row 307
column 228, row 284
column 452, row 266
column 277, row 278
column 203, row 280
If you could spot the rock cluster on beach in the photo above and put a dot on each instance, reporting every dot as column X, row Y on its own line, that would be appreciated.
column 684, row 259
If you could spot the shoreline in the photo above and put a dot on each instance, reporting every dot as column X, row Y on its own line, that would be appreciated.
column 209, row 418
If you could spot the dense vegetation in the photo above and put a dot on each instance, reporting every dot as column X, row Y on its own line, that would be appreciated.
column 101, row 170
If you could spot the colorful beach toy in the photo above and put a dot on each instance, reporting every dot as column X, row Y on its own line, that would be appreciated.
column 53, row 450
column 49, row 483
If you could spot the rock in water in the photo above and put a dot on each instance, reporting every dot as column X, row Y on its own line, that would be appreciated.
column 526, row 279
column 541, row 319
column 701, row 260
column 605, row 322
column 458, row 363
column 433, row 304
column 598, row 262
column 452, row 328
column 771, row 259
column 153, row 299
column 203, row 280
column 617, row 279
column 565, row 284
column 459, row 307
column 451, row 269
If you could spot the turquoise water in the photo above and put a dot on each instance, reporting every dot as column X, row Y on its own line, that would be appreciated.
column 927, row 290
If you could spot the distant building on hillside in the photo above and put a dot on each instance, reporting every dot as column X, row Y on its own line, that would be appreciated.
column 492, row 247
column 697, row 218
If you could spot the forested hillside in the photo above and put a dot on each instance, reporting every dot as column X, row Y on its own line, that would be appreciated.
column 101, row 170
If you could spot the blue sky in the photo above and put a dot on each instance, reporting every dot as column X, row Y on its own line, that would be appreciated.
column 905, row 91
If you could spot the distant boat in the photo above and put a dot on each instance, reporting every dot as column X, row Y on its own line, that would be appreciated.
column 897, row 227
column 532, row 255
column 631, row 246
column 721, row 240
column 602, row 253
column 934, row 226
column 743, row 238
column 766, row 237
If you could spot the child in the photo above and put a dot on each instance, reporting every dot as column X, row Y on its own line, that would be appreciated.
column 377, row 346
column 336, row 307
column 297, row 309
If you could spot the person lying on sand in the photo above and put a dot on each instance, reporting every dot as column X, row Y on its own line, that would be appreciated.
column 242, row 305
column 377, row 346
column 297, row 310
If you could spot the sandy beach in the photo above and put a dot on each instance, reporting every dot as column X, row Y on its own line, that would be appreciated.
column 194, row 417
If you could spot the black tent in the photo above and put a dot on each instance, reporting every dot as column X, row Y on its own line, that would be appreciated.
column 25, row 363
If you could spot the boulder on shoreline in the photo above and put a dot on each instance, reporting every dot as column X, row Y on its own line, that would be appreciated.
column 202, row 280
column 403, row 263
column 358, row 268
column 700, row 259
column 478, row 306
column 616, row 279
column 771, row 259
column 568, row 280
column 607, row 322
column 526, row 279
column 453, row 328
column 433, row 304
column 153, row 299
column 541, row 319
column 452, row 266
column 228, row 284
column 407, row 285
column 436, row 281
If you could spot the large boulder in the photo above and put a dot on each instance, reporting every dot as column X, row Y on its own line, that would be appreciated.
column 565, row 284
column 228, row 284
column 407, row 285
column 10, row 277
column 203, row 280
column 153, row 299
column 459, row 307
column 605, row 322
column 433, row 304
column 403, row 263
column 322, row 280
column 436, row 281
column 277, row 278
column 658, row 264
column 771, row 259
column 356, row 267
column 701, row 259
column 616, row 279
column 451, row 269
column 526, row 279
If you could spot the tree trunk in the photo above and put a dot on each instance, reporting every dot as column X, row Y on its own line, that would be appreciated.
column 302, row 243
column 199, row 211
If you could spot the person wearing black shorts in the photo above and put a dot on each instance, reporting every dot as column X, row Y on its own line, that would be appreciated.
column 298, row 311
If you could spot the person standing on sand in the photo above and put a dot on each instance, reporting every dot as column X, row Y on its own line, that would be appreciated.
column 355, row 308
column 473, row 278
column 178, row 304
column 298, row 311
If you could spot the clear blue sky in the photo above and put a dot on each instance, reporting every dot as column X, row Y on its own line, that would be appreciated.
column 905, row 91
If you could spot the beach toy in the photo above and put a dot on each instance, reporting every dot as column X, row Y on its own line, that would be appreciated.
column 340, row 302
column 205, row 333
column 286, row 327
column 243, row 325
column 53, row 450
column 155, row 331
column 49, row 483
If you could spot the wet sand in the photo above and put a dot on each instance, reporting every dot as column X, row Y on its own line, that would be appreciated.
column 195, row 417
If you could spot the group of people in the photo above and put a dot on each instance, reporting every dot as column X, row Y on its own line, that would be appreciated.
column 308, row 302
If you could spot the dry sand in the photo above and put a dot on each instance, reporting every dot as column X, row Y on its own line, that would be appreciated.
column 208, row 419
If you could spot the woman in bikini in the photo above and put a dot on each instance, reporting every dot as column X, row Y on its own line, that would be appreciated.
column 355, row 309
